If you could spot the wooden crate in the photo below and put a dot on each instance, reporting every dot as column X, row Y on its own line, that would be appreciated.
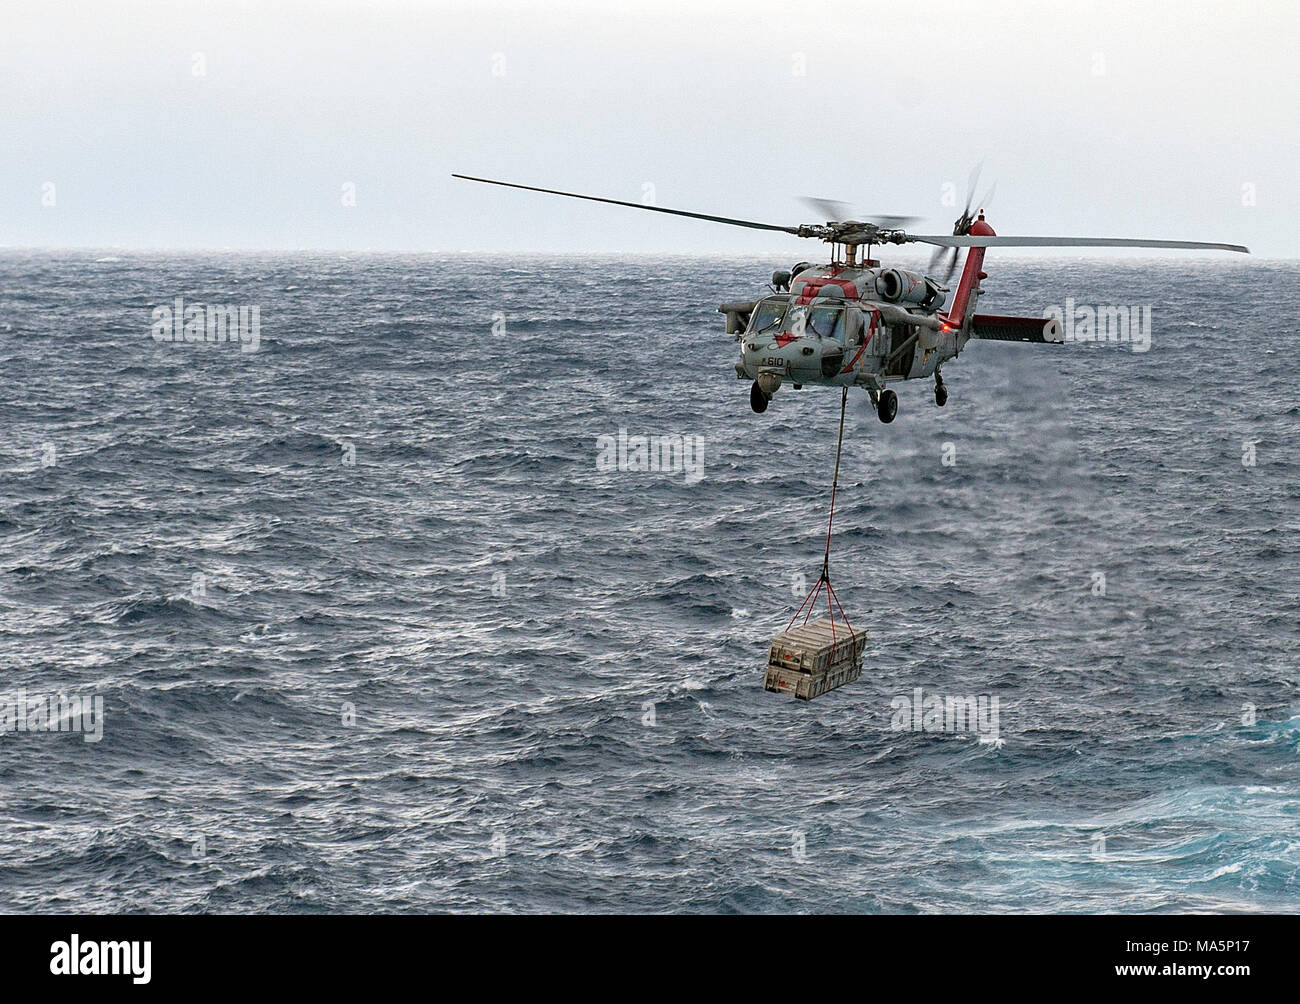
column 809, row 660
column 815, row 648
column 806, row 686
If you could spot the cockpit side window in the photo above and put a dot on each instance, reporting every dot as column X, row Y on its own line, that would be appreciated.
column 768, row 316
column 827, row 322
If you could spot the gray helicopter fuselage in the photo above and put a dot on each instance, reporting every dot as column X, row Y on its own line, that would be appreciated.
column 843, row 325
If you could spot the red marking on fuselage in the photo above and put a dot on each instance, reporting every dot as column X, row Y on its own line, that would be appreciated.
column 854, row 361
column 866, row 338
column 812, row 287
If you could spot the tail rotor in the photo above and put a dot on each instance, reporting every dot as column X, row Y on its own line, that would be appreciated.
column 961, row 228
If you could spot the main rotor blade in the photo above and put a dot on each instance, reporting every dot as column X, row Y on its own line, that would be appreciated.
column 887, row 222
column 841, row 212
column 832, row 210
column 1066, row 242
column 637, row 205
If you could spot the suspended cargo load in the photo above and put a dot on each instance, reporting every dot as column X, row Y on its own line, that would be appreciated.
column 811, row 659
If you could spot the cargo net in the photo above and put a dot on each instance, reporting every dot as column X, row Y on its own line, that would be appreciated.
column 824, row 580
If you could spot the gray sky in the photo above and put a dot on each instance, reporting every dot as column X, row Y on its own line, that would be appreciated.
column 229, row 124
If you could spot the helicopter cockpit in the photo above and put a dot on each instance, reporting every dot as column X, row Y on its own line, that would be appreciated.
column 776, row 316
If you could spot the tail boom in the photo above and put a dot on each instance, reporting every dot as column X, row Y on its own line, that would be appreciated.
column 971, row 274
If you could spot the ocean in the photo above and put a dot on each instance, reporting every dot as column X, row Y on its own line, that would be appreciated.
column 372, row 627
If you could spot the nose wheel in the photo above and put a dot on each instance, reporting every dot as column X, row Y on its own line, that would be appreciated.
column 757, row 399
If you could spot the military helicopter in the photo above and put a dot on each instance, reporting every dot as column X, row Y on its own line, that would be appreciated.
column 855, row 323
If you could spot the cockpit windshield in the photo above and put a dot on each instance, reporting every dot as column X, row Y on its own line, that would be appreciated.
column 827, row 322
column 768, row 316
column 797, row 319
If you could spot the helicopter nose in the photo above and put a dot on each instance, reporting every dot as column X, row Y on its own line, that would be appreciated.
column 757, row 353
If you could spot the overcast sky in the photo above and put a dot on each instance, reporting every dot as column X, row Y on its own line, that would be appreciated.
column 229, row 124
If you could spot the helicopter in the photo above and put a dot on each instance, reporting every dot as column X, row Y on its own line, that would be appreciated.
column 856, row 323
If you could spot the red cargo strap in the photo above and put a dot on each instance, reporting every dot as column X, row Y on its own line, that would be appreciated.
column 824, row 580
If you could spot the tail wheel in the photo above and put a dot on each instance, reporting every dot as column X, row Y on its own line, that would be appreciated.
column 941, row 395
column 757, row 399
column 888, row 406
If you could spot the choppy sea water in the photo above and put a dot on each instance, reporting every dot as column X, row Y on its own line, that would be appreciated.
column 374, row 632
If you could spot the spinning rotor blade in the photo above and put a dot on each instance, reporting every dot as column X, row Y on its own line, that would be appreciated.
column 963, row 223
column 971, row 182
column 637, row 205
column 893, row 222
column 841, row 212
column 1065, row 242
column 937, row 262
column 830, row 209
column 951, row 266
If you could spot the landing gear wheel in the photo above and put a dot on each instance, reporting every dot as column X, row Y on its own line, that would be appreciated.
column 888, row 406
column 940, row 395
column 757, row 399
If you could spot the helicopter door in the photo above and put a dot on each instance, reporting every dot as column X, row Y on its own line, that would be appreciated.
column 902, row 349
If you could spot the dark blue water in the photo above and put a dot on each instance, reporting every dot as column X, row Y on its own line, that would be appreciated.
column 423, row 680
